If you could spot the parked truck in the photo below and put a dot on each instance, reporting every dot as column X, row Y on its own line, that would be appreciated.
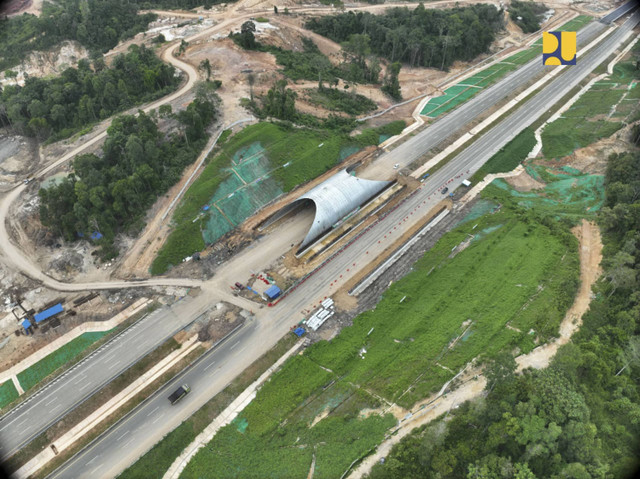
column 179, row 393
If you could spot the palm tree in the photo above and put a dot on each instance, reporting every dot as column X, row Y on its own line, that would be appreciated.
column 205, row 66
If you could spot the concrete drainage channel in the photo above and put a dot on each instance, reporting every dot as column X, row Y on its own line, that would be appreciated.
column 397, row 255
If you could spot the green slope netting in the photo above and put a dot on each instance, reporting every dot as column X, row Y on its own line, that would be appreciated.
column 465, row 89
column 247, row 188
column 568, row 192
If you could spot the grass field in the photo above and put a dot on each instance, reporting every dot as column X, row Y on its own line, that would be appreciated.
column 598, row 113
column 8, row 393
column 156, row 461
column 292, row 156
column 576, row 23
column 524, row 56
column 272, row 437
column 486, row 284
column 510, row 156
column 47, row 365
column 338, row 100
column 512, row 267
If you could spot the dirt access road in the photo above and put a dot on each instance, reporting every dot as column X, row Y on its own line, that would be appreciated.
column 18, row 260
column 590, row 245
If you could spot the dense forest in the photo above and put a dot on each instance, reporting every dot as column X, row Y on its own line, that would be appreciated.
column 111, row 193
column 312, row 64
column 97, row 24
column 579, row 418
column 60, row 105
column 430, row 38
column 527, row 15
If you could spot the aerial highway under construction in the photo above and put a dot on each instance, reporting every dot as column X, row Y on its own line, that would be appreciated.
column 137, row 432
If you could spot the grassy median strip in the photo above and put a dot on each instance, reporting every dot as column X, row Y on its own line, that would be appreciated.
column 90, row 405
column 509, row 156
column 156, row 461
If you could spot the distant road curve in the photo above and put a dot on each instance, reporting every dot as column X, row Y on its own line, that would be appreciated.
column 18, row 260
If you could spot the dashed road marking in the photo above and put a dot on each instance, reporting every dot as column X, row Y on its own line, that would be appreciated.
column 92, row 472
column 113, row 365
column 209, row 365
column 157, row 419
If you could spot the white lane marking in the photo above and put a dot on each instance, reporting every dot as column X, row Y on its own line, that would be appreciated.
column 82, row 377
column 104, row 347
column 157, row 419
column 157, row 407
column 92, row 472
column 113, row 365
column 122, row 436
column 137, row 334
column 84, row 387
column 96, row 457
column 209, row 365
column 242, row 349
column 56, row 408
column 12, row 421
column 235, row 344
column 52, row 401
column 128, row 442
column 17, row 424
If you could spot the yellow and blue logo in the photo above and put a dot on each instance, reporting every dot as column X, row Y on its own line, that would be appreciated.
column 558, row 48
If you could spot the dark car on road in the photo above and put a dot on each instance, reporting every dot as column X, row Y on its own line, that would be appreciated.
column 179, row 393
column 444, row 190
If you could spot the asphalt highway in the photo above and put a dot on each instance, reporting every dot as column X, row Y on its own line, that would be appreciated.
column 620, row 11
column 139, row 431
column 23, row 423
column 116, row 449
column 444, row 127
column 13, row 434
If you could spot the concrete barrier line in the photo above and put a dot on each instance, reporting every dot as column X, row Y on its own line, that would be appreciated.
column 226, row 416
column 153, row 395
column 93, row 326
column 107, row 409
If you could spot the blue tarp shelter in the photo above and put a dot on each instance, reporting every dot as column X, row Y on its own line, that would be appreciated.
column 206, row 208
column 48, row 313
column 96, row 235
column 26, row 324
column 299, row 331
column 273, row 292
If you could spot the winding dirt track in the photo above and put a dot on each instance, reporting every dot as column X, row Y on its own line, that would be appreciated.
column 15, row 258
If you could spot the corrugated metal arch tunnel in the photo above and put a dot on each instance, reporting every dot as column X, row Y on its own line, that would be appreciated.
column 333, row 199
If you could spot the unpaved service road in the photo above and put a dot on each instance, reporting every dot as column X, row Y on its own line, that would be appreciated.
column 343, row 265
